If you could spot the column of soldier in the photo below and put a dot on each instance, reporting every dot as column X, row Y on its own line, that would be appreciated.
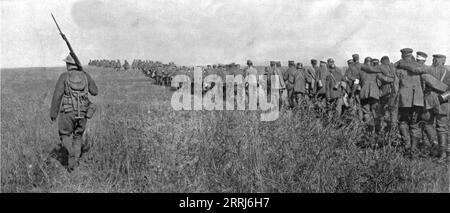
column 115, row 65
column 407, row 95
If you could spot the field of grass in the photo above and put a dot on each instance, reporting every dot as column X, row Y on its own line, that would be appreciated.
column 139, row 144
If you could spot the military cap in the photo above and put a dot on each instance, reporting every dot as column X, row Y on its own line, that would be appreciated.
column 323, row 62
column 439, row 56
column 375, row 60
column 330, row 60
column 384, row 58
column 350, row 61
column 249, row 62
column 313, row 61
column 421, row 55
column 406, row 51
column 355, row 56
column 272, row 63
column 69, row 60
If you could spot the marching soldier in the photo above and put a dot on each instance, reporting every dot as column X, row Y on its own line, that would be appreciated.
column 437, row 81
column 311, row 71
column 388, row 105
column 370, row 93
column 321, row 75
column 126, row 66
column 279, row 75
column 352, row 76
column 289, row 77
column 335, row 87
column 411, row 100
column 71, row 105
column 251, row 79
column 301, row 83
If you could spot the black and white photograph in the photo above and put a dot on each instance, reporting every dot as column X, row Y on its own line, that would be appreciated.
column 226, row 97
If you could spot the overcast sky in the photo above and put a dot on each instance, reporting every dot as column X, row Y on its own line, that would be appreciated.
column 219, row 31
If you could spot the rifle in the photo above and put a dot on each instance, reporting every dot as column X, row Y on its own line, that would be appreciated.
column 72, row 53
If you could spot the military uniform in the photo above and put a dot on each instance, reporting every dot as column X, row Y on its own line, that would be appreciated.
column 312, row 85
column 388, row 104
column 370, row 93
column 436, row 116
column 411, row 100
column 321, row 75
column 352, row 76
column 70, row 127
column 289, row 77
column 334, row 88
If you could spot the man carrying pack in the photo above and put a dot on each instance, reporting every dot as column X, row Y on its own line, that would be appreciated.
column 70, row 101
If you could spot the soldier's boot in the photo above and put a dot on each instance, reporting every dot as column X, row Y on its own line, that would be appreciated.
column 67, row 144
column 75, row 154
column 404, row 132
column 443, row 151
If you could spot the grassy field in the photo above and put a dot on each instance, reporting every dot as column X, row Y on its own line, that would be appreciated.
column 141, row 145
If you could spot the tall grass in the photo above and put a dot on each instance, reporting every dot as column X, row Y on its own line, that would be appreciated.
column 141, row 145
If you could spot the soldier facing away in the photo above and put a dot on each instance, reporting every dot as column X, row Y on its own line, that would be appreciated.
column 70, row 101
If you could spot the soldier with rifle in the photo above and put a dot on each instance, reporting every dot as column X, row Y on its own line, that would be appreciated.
column 70, row 103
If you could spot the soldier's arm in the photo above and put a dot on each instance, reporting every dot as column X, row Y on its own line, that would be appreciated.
column 57, row 96
column 370, row 69
column 93, row 90
column 413, row 68
column 348, row 74
column 308, row 77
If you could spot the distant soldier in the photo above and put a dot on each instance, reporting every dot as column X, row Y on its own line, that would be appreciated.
column 312, row 71
column 353, row 80
column 275, row 70
column 159, row 75
column 289, row 77
column 370, row 93
column 321, row 75
column 251, row 78
column 388, row 105
column 335, row 87
column 126, row 66
column 411, row 99
column 301, row 83
column 70, row 100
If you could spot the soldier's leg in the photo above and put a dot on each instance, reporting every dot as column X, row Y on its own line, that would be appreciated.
column 375, row 117
column 382, row 115
column 404, row 115
column 428, row 118
column 365, row 108
column 299, row 98
column 358, row 106
column 65, row 130
column 442, row 124
column 393, row 115
column 80, row 126
column 290, row 97
column 339, row 105
column 414, row 128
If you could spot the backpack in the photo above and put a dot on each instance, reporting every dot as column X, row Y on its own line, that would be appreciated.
column 76, row 94
column 77, row 81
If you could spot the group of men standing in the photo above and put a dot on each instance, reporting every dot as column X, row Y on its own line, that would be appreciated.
column 406, row 95
column 113, row 64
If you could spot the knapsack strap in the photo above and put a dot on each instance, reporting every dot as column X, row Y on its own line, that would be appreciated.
column 443, row 76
